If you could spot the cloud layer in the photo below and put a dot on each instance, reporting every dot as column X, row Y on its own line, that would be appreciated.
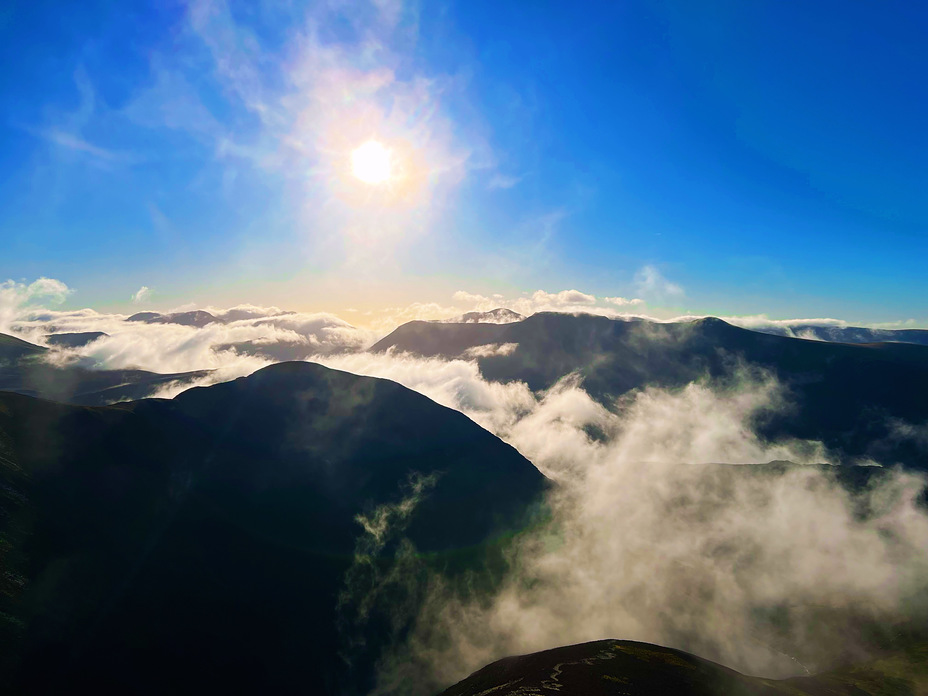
column 774, row 571
column 246, row 339
column 17, row 298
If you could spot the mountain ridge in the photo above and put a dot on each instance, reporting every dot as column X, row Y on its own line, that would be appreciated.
column 23, row 370
column 631, row 668
column 847, row 395
column 194, row 540
column 847, row 334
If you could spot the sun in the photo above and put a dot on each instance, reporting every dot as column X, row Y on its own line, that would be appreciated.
column 371, row 163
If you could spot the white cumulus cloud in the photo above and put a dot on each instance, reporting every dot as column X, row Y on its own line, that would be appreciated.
column 142, row 295
column 654, row 287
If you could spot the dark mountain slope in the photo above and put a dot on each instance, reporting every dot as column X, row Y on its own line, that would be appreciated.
column 628, row 668
column 79, row 385
column 848, row 334
column 202, row 544
column 309, row 412
column 439, row 339
column 13, row 349
column 500, row 315
column 24, row 371
column 74, row 340
column 846, row 395
column 198, row 318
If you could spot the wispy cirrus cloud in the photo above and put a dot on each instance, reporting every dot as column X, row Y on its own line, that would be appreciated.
column 503, row 181
column 66, row 130
column 70, row 141
column 297, row 107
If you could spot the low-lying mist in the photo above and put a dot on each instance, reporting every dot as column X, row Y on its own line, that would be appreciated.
column 655, row 534
column 656, row 529
column 242, row 340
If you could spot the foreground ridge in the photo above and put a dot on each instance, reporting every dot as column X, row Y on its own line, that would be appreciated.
column 630, row 668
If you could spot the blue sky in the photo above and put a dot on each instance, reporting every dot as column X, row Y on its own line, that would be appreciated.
column 762, row 157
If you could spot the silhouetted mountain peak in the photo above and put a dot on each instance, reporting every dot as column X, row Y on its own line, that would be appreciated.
column 712, row 321
column 198, row 318
column 631, row 668
column 842, row 394
column 500, row 315
column 209, row 540
column 74, row 340
column 145, row 316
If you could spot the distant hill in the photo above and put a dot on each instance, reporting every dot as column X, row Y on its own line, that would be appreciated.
column 198, row 318
column 22, row 370
column 13, row 350
column 208, row 543
column 74, row 340
column 282, row 350
column 845, row 395
column 303, row 339
column 80, row 385
column 628, row 668
column 500, row 315
column 848, row 334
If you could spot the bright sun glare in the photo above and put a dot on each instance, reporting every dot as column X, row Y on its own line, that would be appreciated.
column 371, row 163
